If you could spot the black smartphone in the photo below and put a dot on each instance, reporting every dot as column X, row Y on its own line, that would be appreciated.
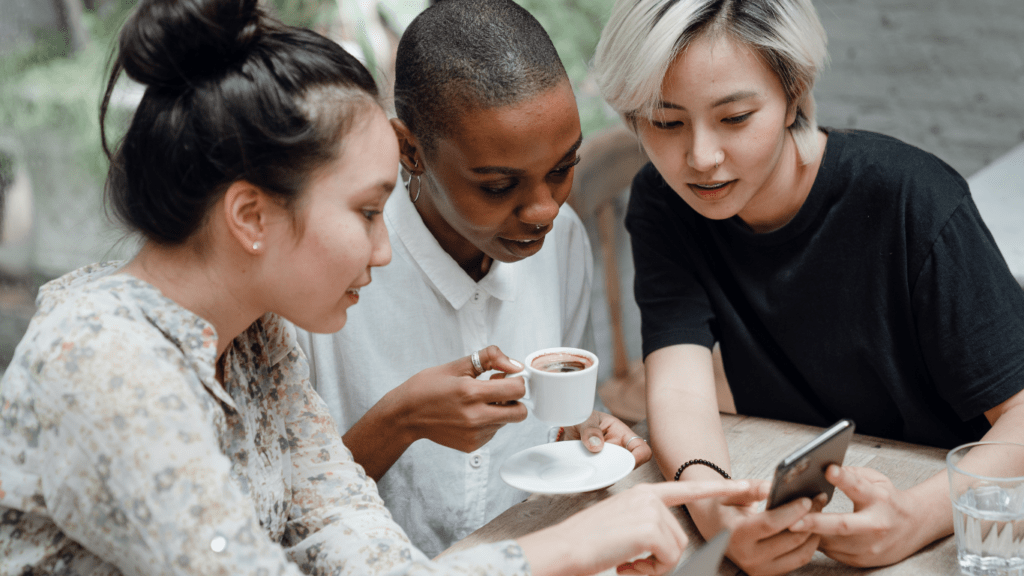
column 802, row 473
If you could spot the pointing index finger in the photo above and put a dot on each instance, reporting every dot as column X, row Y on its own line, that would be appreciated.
column 679, row 493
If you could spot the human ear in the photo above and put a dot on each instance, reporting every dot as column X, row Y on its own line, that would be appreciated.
column 408, row 148
column 791, row 111
column 245, row 214
column 795, row 104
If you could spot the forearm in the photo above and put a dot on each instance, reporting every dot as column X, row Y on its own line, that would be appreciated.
column 379, row 438
column 684, row 422
column 930, row 499
column 685, row 428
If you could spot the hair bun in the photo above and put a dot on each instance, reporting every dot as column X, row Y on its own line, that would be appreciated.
column 170, row 43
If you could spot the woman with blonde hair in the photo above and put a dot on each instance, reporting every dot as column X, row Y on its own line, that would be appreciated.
column 844, row 274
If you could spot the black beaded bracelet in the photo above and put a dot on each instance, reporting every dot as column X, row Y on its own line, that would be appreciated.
column 704, row 462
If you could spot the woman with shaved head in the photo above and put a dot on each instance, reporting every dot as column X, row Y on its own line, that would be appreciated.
column 487, row 260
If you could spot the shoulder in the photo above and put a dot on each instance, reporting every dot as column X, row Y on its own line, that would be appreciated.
column 573, row 253
column 568, row 226
column 654, row 205
column 649, row 191
column 96, row 348
column 888, row 178
column 648, row 178
column 880, row 162
column 91, row 306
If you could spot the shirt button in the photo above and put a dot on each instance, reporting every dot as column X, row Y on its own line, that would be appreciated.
column 475, row 461
column 218, row 544
column 476, row 297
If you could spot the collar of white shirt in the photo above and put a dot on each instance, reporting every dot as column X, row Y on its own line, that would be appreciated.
column 405, row 225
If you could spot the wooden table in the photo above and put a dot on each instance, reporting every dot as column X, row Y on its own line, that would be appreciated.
column 756, row 445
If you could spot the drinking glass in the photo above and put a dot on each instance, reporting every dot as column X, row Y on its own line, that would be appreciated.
column 988, row 509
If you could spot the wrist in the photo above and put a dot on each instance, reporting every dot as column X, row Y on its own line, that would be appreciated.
column 700, row 462
column 394, row 412
column 545, row 557
column 930, row 509
column 707, row 513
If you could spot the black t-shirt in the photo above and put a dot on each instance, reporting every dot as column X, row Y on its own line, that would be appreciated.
column 884, row 300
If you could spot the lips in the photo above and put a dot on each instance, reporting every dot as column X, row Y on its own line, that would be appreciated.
column 522, row 247
column 525, row 240
column 354, row 293
column 710, row 190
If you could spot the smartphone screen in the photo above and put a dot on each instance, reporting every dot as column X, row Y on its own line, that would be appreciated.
column 802, row 473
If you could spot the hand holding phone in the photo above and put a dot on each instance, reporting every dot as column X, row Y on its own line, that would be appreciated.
column 802, row 473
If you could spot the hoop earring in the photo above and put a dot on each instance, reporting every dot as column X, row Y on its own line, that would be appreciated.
column 408, row 183
column 419, row 187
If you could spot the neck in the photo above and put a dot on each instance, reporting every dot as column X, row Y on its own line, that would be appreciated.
column 205, row 284
column 786, row 190
column 470, row 258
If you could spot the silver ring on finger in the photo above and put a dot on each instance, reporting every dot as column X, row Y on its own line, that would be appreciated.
column 475, row 359
column 626, row 445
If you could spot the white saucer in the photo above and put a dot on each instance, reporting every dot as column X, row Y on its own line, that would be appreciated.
column 566, row 468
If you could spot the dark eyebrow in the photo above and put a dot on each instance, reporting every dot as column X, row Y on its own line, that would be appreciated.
column 519, row 171
column 734, row 97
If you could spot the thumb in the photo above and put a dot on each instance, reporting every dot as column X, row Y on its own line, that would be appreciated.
column 493, row 358
column 590, row 432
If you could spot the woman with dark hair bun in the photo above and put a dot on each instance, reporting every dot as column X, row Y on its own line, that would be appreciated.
column 157, row 416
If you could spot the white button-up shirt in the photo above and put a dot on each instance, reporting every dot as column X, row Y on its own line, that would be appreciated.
column 423, row 310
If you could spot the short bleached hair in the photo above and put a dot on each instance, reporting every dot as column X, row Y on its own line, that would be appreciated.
column 643, row 38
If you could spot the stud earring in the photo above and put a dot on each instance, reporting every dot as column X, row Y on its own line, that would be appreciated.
column 256, row 246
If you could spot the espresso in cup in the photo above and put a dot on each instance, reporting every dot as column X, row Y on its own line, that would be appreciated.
column 559, row 362
column 560, row 385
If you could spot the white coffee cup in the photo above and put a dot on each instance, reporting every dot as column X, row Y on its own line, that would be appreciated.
column 560, row 398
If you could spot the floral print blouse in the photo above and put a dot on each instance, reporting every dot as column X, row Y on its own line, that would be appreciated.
column 120, row 453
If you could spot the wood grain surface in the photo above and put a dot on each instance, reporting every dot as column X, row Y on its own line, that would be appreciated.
column 756, row 446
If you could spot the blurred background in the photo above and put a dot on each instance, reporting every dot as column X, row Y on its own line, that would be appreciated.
column 944, row 75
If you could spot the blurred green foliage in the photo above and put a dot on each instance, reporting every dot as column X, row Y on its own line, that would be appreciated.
column 574, row 27
column 304, row 13
column 45, row 89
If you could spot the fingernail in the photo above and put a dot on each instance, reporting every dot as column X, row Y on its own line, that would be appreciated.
column 798, row 526
column 518, row 365
column 594, row 441
column 806, row 503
